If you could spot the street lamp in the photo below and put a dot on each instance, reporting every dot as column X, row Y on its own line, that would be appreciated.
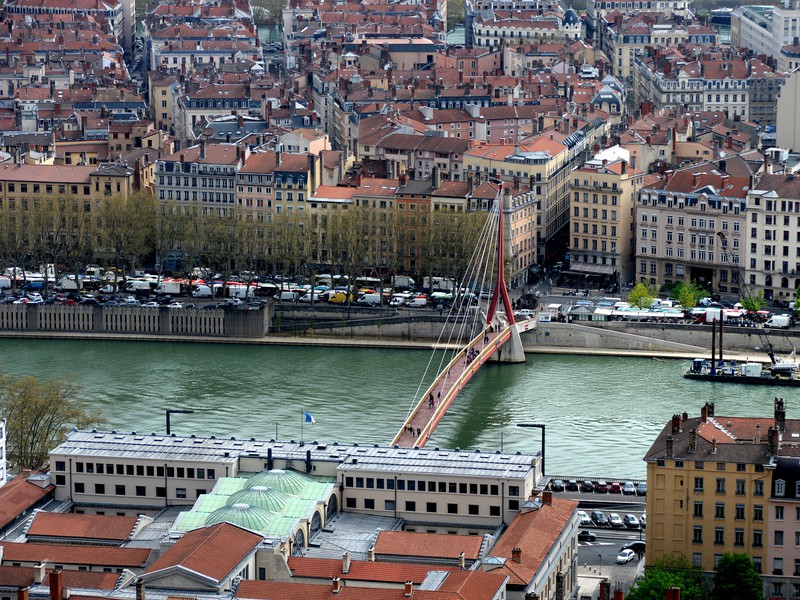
column 538, row 426
column 599, row 564
column 182, row 411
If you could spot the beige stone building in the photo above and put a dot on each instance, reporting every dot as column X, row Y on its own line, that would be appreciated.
column 603, row 199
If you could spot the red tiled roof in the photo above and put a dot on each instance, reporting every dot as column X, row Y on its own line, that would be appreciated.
column 19, row 495
column 273, row 590
column 83, row 554
column 211, row 551
column 89, row 527
column 534, row 533
column 428, row 545
column 386, row 572
column 732, row 428
column 16, row 577
column 90, row 580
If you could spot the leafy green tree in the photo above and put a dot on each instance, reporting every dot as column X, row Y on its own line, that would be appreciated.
column 456, row 12
column 797, row 302
column 666, row 572
column 39, row 414
column 736, row 579
column 688, row 294
column 754, row 303
column 126, row 227
column 641, row 296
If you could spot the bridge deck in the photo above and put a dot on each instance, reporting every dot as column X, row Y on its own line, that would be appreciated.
column 434, row 403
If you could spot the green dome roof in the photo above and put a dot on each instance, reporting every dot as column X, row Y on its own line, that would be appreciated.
column 243, row 515
column 261, row 497
column 291, row 482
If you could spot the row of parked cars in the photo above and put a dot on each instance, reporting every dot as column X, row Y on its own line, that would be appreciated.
column 599, row 519
column 588, row 486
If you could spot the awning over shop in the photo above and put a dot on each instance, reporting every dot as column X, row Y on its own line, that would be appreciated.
column 591, row 269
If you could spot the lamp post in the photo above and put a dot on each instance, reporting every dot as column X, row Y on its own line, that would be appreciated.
column 599, row 564
column 538, row 426
column 182, row 411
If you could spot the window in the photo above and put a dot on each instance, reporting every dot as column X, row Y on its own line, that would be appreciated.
column 757, row 538
column 740, row 483
column 779, row 537
column 739, row 512
column 777, row 569
column 389, row 505
column 513, row 490
column 513, row 505
column 452, row 509
column 738, row 537
column 779, row 513
column 180, row 492
column 61, row 480
column 79, row 488
column 141, row 490
column 719, row 511
column 720, row 485
column 350, row 502
column 99, row 488
column 698, row 484
column 494, row 511
column 473, row 509
column 411, row 506
column 369, row 503
column 697, row 534
column 780, row 486
column 119, row 490
column 698, row 510
column 60, row 465
column 161, row 492
column 758, row 488
column 719, row 536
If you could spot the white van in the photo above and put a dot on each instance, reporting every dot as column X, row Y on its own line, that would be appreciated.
column 418, row 302
column 289, row 296
column 202, row 291
column 370, row 299
column 779, row 321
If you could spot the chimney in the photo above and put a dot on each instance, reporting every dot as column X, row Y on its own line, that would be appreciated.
column 618, row 595
column 624, row 167
column 669, row 453
column 462, row 561
column 547, row 497
column 140, row 589
column 22, row 594
column 758, row 433
column 202, row 149
column 772, row 441
column 672, row 593
column 337, row 585
column 371, row 554
column 780, row 415
column 676, row 423
column 277, row 158
column 409, row 589
column 56, row 585
column 345, row 563
column 516, row 554
column 714, row 446
column 693, row 441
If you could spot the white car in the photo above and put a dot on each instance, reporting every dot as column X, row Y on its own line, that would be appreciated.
column 585, row 520
column 625, row 557
column 174, row 305
column 525, row 313
column 150, row 305
column 615, row 521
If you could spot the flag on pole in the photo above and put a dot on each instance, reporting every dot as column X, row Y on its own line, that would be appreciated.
column 310, row 418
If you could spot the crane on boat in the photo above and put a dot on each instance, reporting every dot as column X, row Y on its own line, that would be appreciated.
column 778, row 362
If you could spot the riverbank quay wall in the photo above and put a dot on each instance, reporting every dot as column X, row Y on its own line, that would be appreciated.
column 123, row 320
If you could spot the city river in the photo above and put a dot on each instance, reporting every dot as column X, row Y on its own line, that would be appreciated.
column 601, row 413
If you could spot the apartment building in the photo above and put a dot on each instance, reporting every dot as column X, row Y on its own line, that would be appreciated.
column 782, row 566
column 203, row 175
column 773, row 236
column 603, row 203
column 766, row 29
column 544, row 166
column 492, row 28
column 708, row 483
column 597, row 10
column 678, row 225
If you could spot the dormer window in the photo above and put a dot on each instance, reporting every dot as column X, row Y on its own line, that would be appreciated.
column 780, row 487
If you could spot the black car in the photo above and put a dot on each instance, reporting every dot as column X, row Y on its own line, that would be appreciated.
column 572, row 485
column 587, row 486
column 636, row 546
column 599, row 518
column 557, row 485
column 586, row 536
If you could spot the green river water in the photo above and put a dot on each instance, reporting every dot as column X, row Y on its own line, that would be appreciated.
column 601, row 413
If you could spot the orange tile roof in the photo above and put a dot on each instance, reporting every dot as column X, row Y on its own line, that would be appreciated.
column 534, row 533
column 333, row 192
column 16, row 577
column 83, row 554
column 89, row 527
column 428, row 545
column 90, row 580
column 211, row 551
column 474, row 584
column 385, row 572
column 19, row 495
column 273, row 590
column 732, row 428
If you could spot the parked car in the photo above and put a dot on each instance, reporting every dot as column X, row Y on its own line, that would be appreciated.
column 601, row 487
column 643, row 521
column 585, row 520
column 557, row 485
column 151, row 305
column 615, row 488
column 641, row 489
column 586, row 536
column 599, row 519
column 615, row 521
column 587, row 486
column 637, row 546
column 630, row 521
column 629, row 489
column 572, row 485
column 625, row 557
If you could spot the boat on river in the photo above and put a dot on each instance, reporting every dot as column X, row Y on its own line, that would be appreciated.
column 754, row 373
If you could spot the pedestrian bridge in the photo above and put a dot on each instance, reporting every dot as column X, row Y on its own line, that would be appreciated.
column 497, row 337
column 493, row 343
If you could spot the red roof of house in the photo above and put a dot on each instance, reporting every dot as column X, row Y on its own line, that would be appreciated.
column 83, row 554
column 211, row 551
column 392, row 572
column 428, row 545
column 534, row 533
column 88, row 527
column 273, row 590
column 19, row 495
